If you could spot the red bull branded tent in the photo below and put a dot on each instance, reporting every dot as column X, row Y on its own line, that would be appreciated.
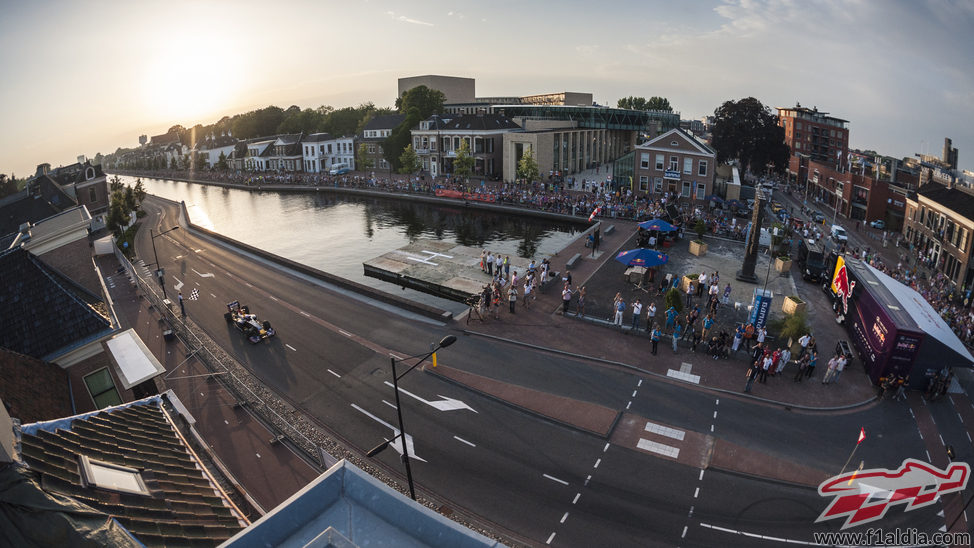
column 894, row 329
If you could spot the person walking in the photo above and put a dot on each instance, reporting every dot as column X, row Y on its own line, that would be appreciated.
column 566, row 298
column 637, row 311
column 783, row 360
column 655, row 337
column 182, row 307
column 840, row 362
column 752, row 373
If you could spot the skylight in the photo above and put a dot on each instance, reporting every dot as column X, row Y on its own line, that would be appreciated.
column 111, row 476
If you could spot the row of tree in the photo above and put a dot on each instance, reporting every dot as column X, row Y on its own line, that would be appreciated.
column 125, row 200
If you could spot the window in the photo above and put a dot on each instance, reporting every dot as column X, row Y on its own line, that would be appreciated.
column 110, row 476
column 478, row 145
column 92, row 195
column 456, row 143
column 674, row 163
column 701, row 190
column 702, row 168
column 659, row 162
column 321, row 149
column 371, row 149
column 644, row 182
column 490, row 146
column 686, row 189
column 102, row 388
column 644, row 160
column 798, row 125
column 658, row 185
column 688, row 166
column 426, row 142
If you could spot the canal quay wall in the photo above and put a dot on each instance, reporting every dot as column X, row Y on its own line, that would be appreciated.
column 382, row 296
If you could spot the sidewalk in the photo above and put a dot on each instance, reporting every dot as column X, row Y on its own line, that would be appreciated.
column 270, row 473
column 542, row 325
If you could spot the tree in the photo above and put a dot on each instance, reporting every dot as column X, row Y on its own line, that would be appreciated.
column 641, row 103
column 527, row 167
column 408, row 161
column 463, row 162
column 427, row 101
column 395, row 143
column 221, row 163
column 674, row 299
column 748, row 131
column 117, row 216
column 139, row 190
column 115, row 184
column 8, row 185
column 363, row 160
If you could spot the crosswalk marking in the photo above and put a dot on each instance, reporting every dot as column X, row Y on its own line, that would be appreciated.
column 659, row 448
column 665, row 431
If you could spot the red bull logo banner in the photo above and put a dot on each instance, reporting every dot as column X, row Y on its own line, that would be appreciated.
column 865, row 496
column 841, row 285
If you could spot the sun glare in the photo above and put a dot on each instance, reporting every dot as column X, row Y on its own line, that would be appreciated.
column 188, row 87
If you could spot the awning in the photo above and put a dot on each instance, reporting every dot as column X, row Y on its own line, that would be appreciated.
column 135, row 363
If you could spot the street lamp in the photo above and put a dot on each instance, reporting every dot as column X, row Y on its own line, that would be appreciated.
column 444, row 342
column 159, row 271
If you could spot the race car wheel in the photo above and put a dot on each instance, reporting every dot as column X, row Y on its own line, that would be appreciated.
column 267, row 325
column 245, row 309
column 228, row 317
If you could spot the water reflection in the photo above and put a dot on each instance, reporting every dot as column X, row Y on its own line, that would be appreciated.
column 338, row 232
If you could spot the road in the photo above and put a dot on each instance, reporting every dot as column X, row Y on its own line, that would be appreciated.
column 532, row 478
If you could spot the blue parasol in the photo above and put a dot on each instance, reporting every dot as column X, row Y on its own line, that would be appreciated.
column 657, row 224
column 642, row 257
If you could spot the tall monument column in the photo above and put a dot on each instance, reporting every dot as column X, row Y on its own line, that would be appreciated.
column 746, row 273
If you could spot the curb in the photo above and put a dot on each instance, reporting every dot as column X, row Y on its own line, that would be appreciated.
column 670, row 379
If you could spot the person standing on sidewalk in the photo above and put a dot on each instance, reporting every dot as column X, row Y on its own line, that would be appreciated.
column 637, row 311
column 650, row 317
column 676, row 335
column 802, row 367
column 738, row 337
column 182, row 307
column 580, row 311
column 619, row 306
column 512, row 296
column 830, row 372
column 812, row 362
column 490, row 264
column 656, row 336
column 566, row 298
column 765, row 367
column 690, row 290
column 783, row 360
column 701, row 284
column 708, row 322
column 803, row 340
column 752, row 373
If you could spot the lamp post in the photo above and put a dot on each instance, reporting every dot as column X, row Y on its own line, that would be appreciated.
column 159, row 271
column 444, row 342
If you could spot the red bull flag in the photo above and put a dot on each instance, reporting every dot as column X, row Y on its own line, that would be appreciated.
column 594, row 214
column 841, row 285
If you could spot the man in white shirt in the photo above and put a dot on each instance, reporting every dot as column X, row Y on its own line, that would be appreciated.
column 701, row 284
column 803, row 340
column 637, row 310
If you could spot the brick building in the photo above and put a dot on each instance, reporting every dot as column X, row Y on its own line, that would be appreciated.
column 940, row 225
column 674, row 162
column 808, row 132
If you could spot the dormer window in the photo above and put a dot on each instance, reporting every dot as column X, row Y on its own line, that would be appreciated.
column 674, row 144
column 112, row 477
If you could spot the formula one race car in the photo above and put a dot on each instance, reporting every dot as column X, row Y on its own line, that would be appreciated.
column 247, row 323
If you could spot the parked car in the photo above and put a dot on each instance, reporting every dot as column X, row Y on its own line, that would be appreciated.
column 817, row 216
column 878, row 223
column 839, row 234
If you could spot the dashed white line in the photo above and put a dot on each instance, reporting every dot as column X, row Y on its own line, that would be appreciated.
column 291, row 347
column 577, row 495
column 552, row 478
column 755, row 535
column 606, row 448
column 597, row 463
column 212, row 295
column 696, row 492
column 717, row 401
column 941, row 439
column 563, row 518
column 273, row 298
column 226, row 422
column 633, row 394
column 640, row 383
column 464, row 441
column 685, row 527
column 628, row 404
column 587, row 479
column 928, row 455
column 715, row 414
column 343, row 332
column 701, row 476
column 960, row 417
column 969, row 437
column 303, row 313
column 248, row 284
column 333, row 373
column 551, row 538
column 258, row 455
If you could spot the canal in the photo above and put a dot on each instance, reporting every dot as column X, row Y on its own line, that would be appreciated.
column 337, row 232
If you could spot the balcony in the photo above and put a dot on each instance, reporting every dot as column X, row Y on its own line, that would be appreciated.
column 422, row 151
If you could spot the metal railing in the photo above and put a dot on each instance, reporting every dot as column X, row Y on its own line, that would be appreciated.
column 242, row 393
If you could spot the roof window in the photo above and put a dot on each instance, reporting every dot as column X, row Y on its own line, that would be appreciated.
column 111, row 476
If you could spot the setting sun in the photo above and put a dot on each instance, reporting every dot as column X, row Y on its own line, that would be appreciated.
column 187, row 86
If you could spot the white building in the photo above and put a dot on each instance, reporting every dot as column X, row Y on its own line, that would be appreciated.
column 321, row 152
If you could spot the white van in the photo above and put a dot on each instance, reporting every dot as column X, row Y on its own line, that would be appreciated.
column 839, row 234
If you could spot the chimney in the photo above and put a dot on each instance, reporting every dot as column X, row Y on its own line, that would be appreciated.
column 81, row 158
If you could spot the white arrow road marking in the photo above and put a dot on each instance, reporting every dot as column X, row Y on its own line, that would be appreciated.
column 207, row 275
column 178, row 286
column 397, row 445
column 446, row 404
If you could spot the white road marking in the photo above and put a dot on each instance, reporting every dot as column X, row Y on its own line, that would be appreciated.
column 273, row 298
column 695, row 379
column 392, row 405
column 202, row 275
column 229, row 275
column 633, row 394
column 258, row 455
column 212, row 295
column 550, row 538
column 552, row 478
column 665, row 431
column 941, row 439
column 640, row 383
column 303, row 313
column 291, row 347
column 685, row 527
column 659, row 448
column 577, row 495
column 424, row 261
column 178, row 286
column 696, row 492
column 446, row 404
column 928, row 455
column 248, row 284
column 563, row 518
column 701, row 476
column 969, row 437
column 628, row 404
column 711, row 428
column 343, row 332
column 606, row 448
column 335, row 374
column 464, row 441
column 597, row 463
column 587, row 479
column 755, row 535
column 225, row 421
column 397, row 445
column 715, row 414
column 717, row 402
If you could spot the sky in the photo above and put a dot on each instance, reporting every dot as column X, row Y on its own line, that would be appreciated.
column 87, row 77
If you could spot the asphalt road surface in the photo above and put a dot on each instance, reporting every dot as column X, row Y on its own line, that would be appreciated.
column 530, row 477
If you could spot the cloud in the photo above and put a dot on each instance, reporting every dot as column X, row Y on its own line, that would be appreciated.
column 457, row 14
column 587, row 49
column 404, row 19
